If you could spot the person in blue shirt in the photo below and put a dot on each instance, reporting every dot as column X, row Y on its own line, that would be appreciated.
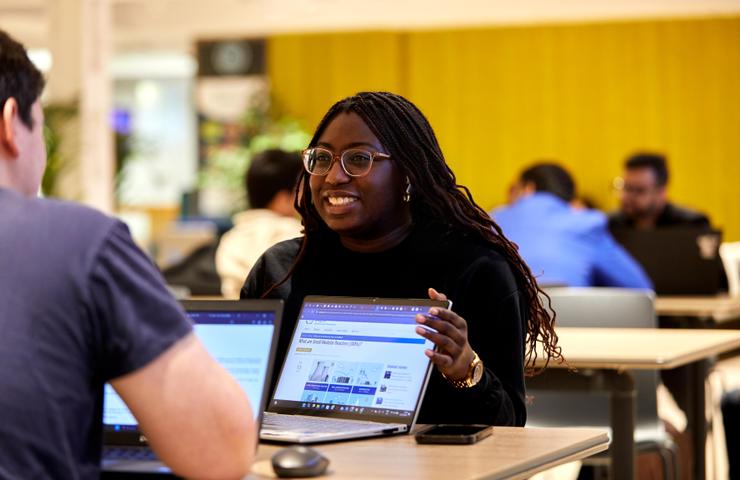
column 562, row 244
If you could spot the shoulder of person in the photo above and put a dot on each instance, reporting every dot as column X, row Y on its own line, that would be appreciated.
column 468, row 249
column 271, row 267
column 616, row 219
column 685, row 214
column 590, row 221
column 484, row 267
column 69, row 220
column 283, row 251
column 260, row 216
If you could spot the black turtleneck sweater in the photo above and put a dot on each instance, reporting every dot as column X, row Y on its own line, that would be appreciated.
column 472, row 274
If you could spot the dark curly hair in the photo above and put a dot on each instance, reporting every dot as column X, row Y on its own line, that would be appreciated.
column 407, row 135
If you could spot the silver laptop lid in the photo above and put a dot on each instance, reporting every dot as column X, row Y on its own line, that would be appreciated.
column 356, row 358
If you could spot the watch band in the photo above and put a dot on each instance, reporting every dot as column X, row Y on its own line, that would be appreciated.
column 475, row 373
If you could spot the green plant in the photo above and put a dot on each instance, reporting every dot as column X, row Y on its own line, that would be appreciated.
column 229, row 148
column 59, row 117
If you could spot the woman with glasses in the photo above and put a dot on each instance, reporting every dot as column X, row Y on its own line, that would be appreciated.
column 384, row 217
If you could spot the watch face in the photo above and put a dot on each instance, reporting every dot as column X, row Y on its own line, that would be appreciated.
column 477, row 372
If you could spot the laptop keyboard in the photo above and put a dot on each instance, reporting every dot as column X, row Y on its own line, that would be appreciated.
column 314, row 425
column 128, row 453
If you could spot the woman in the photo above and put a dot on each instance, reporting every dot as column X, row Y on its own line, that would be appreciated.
column 384, row 217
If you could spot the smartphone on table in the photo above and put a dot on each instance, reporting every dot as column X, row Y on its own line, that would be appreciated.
column 453, row 434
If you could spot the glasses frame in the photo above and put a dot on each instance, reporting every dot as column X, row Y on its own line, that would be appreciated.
column 340, row 157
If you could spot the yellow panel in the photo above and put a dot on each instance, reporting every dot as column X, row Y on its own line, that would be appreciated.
column 308, row 73
column 588, row 95
column 585, row 94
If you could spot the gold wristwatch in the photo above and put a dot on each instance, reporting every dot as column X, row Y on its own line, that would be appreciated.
column 475, row 373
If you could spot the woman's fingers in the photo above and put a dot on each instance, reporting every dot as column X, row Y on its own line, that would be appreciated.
column 449, row 332
column 441, row 360
column 444, row 342
column 435, row 295
column 443, row 327
column 449, row 316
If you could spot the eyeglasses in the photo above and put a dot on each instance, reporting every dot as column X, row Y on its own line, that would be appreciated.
column 624, row 188
column 355, row 162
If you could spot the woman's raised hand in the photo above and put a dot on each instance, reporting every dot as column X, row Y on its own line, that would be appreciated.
column 453, row 355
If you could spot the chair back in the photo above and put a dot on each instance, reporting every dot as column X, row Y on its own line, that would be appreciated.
column 599, row 308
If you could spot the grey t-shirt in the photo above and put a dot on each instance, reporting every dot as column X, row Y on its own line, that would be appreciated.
column 80, row 305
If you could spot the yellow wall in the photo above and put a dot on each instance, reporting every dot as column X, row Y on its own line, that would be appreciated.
column 308, row 73
column 584, row 94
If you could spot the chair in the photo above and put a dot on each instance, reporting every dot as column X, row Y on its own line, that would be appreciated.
column 606, row 307
column 730, row 254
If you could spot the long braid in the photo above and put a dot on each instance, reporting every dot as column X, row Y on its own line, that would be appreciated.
column 405, row 132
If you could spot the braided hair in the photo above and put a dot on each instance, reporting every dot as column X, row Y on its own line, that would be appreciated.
column 409, row 139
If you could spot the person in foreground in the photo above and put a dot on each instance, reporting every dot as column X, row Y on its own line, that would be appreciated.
column 384, row 217
column 80, row 306
column 568, row 246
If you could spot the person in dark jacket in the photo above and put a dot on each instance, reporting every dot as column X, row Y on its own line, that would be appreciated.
column 644, row 200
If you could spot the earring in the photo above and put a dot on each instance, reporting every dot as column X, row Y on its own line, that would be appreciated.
column 407, row 192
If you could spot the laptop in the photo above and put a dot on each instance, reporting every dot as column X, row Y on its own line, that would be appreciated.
column 235, row 333
column 679, row 261
column 355, row 368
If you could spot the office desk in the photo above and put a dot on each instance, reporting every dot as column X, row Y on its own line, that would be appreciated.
column 509, row 453
column 605, row 358
column 711, row 310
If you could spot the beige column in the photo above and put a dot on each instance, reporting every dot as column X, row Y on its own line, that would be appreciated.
column 97, row 154
column 65, row 45
column 80, row 40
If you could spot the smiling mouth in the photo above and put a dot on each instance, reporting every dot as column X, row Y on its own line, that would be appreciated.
column 337, row 201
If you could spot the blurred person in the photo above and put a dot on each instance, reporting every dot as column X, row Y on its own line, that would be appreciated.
column 271, row 218
column 644, row 205
column 567, row 245
column 81, row 305
column 644, row 200
column 385, row 217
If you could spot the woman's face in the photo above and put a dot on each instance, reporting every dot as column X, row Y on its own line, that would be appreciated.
column 359, row 208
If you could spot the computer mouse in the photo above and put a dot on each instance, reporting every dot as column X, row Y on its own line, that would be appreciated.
column 299, row 461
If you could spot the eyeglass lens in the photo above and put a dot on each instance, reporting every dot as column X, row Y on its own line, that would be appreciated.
column 355, row 162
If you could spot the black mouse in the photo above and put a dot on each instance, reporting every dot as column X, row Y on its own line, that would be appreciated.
column 299, row 461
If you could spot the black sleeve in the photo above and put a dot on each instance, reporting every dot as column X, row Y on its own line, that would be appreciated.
column 254, row 284
column 486, row 296
column 270, row 269
column 496, row 314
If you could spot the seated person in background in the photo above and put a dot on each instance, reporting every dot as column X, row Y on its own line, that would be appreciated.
column 81, row 305
column 568, row 246
column 385, row 217
column 644, row 201
column 271, row 217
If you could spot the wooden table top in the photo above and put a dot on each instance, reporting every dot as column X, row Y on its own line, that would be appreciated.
column 720, row 308
column 510, row 452
column 641, row 348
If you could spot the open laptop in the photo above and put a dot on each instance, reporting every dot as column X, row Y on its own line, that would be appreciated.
column 241, row 335
column 679, row 261
column 355, row 368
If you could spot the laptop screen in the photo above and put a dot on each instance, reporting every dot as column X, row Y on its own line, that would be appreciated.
column 355, row 358
column 239, row 335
